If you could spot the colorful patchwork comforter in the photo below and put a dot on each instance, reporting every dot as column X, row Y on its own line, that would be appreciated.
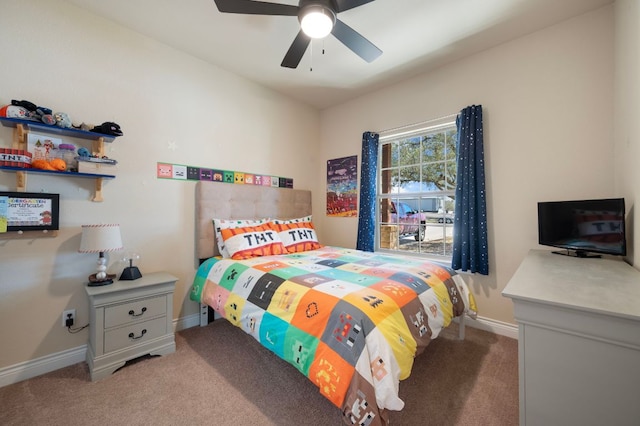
column 351, row 321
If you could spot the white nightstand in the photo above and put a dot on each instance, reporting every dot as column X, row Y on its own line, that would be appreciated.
column 129, row 319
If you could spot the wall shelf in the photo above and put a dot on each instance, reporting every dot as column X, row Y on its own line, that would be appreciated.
column 55, row 130
column 22, row 128
column 52, row 172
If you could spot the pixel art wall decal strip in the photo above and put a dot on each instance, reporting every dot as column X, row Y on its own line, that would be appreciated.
column 182, row 172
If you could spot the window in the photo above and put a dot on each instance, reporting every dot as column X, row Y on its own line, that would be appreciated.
column 416, row 190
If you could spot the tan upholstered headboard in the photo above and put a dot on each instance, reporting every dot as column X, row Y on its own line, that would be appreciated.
column 232, row 201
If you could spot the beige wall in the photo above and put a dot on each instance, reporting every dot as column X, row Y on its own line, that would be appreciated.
column 172, row 108
column 547, row 101
column 626, row 111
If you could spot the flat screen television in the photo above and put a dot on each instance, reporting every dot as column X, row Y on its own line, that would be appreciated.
column 582, row 227
column 29, row 211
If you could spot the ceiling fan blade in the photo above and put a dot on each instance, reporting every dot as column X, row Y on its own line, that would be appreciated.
column 296, row 51
column 354, row 41
column 250, row 7
column 349, row 4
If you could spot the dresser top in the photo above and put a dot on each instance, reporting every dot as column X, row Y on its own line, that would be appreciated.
column 589, row 284
column 150, row 279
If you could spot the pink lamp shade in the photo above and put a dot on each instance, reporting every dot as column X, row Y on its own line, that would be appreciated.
column 100, row 239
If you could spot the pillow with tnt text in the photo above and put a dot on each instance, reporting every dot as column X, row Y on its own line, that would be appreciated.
column 252, row 241
column 220, row 224
column 295, row 220
column 298, row 237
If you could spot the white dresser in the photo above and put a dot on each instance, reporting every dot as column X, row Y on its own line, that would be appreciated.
column 579, row 340
column 129, row 319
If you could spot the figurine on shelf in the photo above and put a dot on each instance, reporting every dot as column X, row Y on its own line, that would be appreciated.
column 108, row 128
column 45, row 116
column 63, row 120
column 27, row 111
column 14, row 111
column 83, row 126
column 85, row 155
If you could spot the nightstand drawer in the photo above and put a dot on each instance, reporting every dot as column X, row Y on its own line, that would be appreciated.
column 133, row 311
column 134, row 334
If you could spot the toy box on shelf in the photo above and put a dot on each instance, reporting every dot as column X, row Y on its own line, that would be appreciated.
column 10, row 157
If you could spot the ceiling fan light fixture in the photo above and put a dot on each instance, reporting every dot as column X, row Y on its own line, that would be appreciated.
column 317, row 21
column 317, row 18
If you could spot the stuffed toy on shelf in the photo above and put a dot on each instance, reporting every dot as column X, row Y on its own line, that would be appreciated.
column 55, row 164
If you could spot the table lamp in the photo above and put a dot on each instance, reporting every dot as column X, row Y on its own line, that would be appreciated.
column 99, row 239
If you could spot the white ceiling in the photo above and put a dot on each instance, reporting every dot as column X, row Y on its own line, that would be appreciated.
column 415, row 36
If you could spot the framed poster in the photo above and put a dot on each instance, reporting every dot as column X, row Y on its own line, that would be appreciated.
column 4, row 220
column 342, row 192
column 29, row 211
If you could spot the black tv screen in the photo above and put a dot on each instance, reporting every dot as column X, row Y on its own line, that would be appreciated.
column 583, row 226
column 29, row 211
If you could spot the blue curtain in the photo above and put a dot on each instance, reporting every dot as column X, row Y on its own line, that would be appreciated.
column 470, row 251
column 368, row 171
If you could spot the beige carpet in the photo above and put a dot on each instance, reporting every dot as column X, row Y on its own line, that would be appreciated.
column 220, row 376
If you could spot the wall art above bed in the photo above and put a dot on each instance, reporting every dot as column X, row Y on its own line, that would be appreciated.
column 182, row 172
column 342, row 189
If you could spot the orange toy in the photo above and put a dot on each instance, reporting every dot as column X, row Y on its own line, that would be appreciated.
column 56, row 164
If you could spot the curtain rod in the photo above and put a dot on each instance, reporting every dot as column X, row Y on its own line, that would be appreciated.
column 395, row 129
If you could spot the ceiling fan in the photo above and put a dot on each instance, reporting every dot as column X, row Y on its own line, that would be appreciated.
column 317, row 19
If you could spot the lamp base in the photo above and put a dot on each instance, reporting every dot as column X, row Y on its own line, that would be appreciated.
column 95, row 282
column 130, row 273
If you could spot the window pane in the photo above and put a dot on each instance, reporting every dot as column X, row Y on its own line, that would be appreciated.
column 409, row 152
column 389, row 179
column 438, row 238
column 391, row 155
column 386, row 211
column 419, row 173
column 409, row 180
column 450, row 175
column 450, row 144
column 433, row 147
column 430, row 147
column 433, row 177
column 428, row 204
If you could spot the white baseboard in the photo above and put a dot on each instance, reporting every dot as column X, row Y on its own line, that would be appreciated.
column 36, row 367
column 493, row 326
column 48, row 363
column 186, row 322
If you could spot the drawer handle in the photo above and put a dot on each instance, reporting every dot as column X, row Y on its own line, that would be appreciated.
column 132, row 336
column 133, row 314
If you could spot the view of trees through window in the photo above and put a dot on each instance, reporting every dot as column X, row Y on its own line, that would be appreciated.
column 416, row 191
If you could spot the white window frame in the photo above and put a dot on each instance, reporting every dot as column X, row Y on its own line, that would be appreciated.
column 434, row 126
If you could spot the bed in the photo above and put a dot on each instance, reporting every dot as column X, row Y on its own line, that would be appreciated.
column 350, row 321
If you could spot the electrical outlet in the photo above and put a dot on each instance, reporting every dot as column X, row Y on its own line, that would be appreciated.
column 68, row 314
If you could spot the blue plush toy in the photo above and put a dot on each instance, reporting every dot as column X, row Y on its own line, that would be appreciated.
column 84, row 152
column 62, row 120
